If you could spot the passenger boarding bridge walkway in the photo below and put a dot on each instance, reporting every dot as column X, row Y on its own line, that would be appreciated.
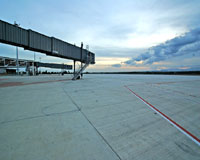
column 51, row 46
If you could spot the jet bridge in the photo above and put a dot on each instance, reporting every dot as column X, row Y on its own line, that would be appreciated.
column 51, row 46
column 34, row 41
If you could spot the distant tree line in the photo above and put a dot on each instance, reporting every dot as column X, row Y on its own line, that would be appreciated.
column 151, row 72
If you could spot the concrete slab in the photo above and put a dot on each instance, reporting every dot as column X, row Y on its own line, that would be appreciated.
column 98, row 118
column 61, row 136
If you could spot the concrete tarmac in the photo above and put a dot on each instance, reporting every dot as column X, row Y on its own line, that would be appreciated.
column 99, row 117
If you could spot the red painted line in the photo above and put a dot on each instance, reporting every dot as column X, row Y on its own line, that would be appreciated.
column 10, row 84
column 14, row 84
column 3, row 79
column 186, row 132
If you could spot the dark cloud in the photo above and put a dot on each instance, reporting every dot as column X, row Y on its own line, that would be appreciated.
column 116, row 65
column 183, row 68
column 185, row 44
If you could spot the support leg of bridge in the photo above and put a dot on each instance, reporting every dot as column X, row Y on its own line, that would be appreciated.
column 81, row 57
column 74, row 67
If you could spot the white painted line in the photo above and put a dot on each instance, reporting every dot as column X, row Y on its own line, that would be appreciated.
column 179, row 127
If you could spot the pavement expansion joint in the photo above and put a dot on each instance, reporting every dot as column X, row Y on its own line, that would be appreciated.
column 38, row 116
column 97, row 131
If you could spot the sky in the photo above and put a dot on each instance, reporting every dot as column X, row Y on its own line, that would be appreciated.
column 125, row 35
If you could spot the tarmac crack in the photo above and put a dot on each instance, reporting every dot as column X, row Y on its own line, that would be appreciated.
column 97, row 131
column 38, row 116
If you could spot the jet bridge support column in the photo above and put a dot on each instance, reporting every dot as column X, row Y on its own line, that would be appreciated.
column 74, row 67
column 81, row 57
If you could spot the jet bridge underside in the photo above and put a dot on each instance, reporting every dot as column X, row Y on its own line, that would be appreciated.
column 53, row 65
column 34, row 41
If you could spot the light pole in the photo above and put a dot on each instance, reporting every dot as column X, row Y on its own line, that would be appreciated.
column 40, row 67
column 34, row 65
column 17, row 62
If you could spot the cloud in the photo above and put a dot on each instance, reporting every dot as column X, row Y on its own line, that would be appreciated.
column 116, row 65
column 182, row 45
column 183, row 68
column 125, row 29
column 107, row 51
